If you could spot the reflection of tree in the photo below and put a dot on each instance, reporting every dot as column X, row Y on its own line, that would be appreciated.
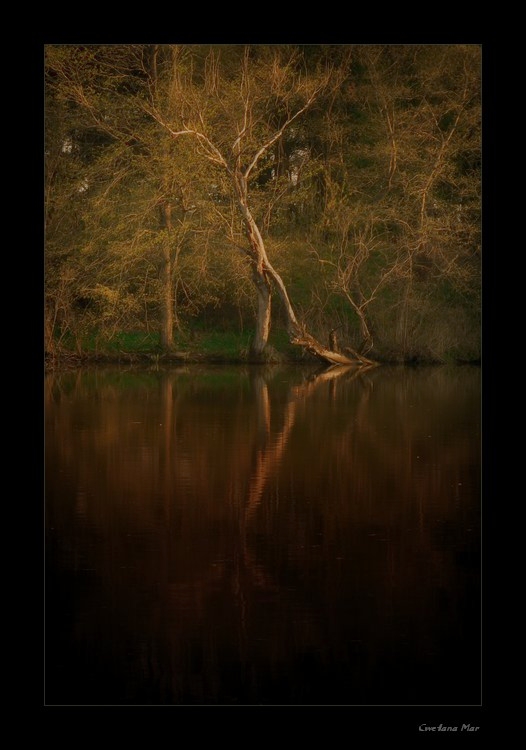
column 271, row 448
column 270, row 453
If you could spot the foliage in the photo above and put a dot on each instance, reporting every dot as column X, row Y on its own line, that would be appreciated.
column 369, row 203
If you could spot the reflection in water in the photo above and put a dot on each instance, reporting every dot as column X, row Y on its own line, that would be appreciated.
column 263, row 536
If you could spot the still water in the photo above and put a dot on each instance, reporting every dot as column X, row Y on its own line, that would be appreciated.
column 247, row 535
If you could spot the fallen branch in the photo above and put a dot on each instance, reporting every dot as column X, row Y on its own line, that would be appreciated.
column 310, row 344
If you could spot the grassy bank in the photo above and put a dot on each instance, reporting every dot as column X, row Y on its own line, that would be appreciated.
column 208, row 345
column 197, row 346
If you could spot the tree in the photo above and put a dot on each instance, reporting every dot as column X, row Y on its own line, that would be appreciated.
column 64, row 198
column 235, row 116
column 139, row 188
column 401, row 221
column 436, row 178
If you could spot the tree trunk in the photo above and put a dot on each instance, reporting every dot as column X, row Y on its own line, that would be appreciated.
column 262, row 272
column 333, row 340
column 263, row 314
column 365, row 331
column 167, row 311
column 360, row 307
column 167, row 318
column 367, row 338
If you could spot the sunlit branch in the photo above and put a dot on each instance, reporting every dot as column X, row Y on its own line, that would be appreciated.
column 211, row 152
column 280, row 132
column 245, row 95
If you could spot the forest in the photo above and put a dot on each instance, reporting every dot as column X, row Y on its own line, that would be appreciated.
column 263, row 203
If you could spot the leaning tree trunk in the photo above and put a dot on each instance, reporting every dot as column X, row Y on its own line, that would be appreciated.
column 260, row 340
column 263, row 271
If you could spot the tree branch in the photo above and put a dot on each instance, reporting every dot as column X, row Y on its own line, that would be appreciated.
column 280, row 132
column 211, row 151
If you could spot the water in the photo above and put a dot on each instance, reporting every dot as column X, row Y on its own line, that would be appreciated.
column 246, row 536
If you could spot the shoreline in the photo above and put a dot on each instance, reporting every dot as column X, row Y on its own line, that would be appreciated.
column 74, row 360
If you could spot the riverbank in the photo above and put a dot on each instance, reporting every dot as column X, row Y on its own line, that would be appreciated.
column 215, row 347
column 64, row 359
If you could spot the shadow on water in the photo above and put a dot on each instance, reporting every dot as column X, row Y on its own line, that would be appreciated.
column 263, row 536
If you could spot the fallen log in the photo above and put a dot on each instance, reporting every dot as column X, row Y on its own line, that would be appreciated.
column 311, row 345
column 298, row 334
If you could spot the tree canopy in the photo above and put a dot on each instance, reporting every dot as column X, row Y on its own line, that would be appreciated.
column 195, row 184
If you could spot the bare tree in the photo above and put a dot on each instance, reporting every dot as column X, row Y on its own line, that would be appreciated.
column 351, row 255
column 139, row 187
column 428, row 99
column 400, row 225
column 232, row 120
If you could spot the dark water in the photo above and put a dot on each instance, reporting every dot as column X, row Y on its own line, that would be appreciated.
column 263, row 536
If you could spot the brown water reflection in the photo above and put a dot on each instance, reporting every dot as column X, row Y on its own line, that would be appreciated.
column 263, row 535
